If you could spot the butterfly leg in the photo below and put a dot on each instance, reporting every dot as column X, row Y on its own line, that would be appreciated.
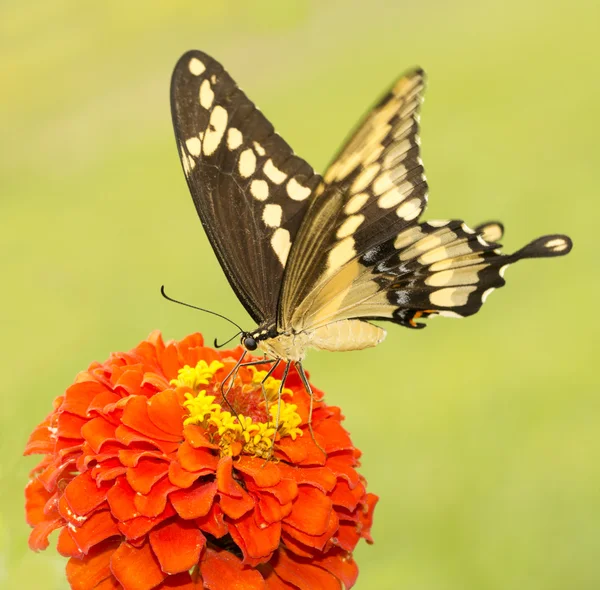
column 279, row 394
column 309, row 390
column 232, row 374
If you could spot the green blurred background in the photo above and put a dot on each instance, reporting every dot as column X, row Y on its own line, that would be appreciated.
column 481, row 436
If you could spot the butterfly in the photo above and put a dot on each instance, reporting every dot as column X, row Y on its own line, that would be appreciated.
column 315, row 259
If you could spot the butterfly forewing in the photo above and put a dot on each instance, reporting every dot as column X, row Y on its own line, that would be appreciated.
column 250, row 190
column 372, row 191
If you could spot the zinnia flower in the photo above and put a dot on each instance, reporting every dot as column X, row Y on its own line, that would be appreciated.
column 155, row 481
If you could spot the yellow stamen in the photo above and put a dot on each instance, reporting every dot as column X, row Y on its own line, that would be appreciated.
column 201, row 374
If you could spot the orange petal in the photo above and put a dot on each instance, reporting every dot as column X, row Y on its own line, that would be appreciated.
column 104, row 402
column 265, row 475
column 153, row 503
column 224, row 571
column 136, row 417
column 257, row 542
column 270, row 508
column 193, row 459
column 285, row 491
column 183, row 478
column 311, row 511
column 316, row 541
column 88, row 573
column 136, row 569
column 38, row 538
column 83, row 494
column 107, row 471
column 141, row 525
column 181, row 581
column 195, row 501
column 97, row 432
column 66, row 546
column 235, row 507
column 121, row 500
column 213, row 523
column 166, row 412
column 177, row 546
column 366, row 516
column 274, row 582
column 79, row 396
column 301, row 573
column 194, row 434
column 303, row 450
column 131, row 457
column 98, row 527
column 225, row 481
column 145, row 474
column 345, row 497
column 128, row 436
column 334, row 436
column 341, row 565
column 320, row 477
column 36, row 497
column 69, row 425
column 347, row 535
column 343, row 465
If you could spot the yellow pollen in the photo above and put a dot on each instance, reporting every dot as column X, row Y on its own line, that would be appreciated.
column 234, row 434
column 201, row 374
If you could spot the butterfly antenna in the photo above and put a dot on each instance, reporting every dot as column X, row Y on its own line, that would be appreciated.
column 162, row 291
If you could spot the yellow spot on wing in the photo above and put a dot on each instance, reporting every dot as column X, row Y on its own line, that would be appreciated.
column 341, row 253
column 216, row 130
column 234, row 138
column 193, row 146
column 206, row 94
column 247, row 163
column 281, row 243
column 195, row 66
column 356, row 203
column 273, row 173
column 259, row 189
column 451, row 296
column 296, row 191
column 272, row 215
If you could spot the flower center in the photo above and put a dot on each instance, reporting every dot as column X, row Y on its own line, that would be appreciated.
column 243, row 416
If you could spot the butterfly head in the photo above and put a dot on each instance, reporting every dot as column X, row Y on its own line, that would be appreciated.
column 249, row 342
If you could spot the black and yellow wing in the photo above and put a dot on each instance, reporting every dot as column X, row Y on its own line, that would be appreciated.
column 362, row 252
column 250, row 190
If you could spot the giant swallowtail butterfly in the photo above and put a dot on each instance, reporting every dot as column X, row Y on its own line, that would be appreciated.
column 313, row 258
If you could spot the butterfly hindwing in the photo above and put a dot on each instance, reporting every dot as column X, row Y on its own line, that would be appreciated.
column 374, row 188
column 250, row 190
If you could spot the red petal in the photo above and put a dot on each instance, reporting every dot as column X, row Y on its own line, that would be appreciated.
column 107, row 471
column 146, row 473
column 121, row 500
column 153, row 503
column 320, row 477
column 89, row 572
column 97, row 432
column 213, row 523
column 195, row 501
column 303, row 450
column 177, row 546
column 136, row 569
column 265, row 475
column 304, row 575
column 182, row 582
column 274, row 582
column 83, row 494
column 311, row 511
column 258, row 542
column 193, row 459
column 98, row 527
column 140, row 525
column 136, row 416
column 347, row 535
column 79, row 396
column 223, row 571
column 225, row 481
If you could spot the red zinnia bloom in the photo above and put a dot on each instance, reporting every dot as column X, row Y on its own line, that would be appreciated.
column 153, row 483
